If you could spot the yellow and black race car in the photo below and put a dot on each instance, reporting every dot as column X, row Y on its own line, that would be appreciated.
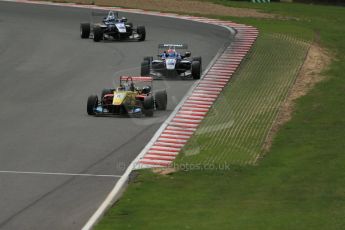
column 128, row 99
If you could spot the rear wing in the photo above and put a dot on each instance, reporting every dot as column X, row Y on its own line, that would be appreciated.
column 136, row 79
column 174, row 46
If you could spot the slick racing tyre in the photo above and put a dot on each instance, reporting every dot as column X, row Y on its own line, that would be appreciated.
column 85, row 30
column 141, row 32
column 196, row 69
column 97, row 34
column 148, row 105
column 197, row 59
column 161, row 99
column 92, row 103
column 145, row 68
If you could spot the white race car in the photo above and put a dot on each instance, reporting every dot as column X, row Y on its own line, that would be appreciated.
column 170, row 62
column 112, row 27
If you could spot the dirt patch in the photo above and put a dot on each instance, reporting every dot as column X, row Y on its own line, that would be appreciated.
column 177, row 6
column 311, row 73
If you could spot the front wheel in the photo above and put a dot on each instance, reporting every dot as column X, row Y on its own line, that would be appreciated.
column 197, row 59
column 148, row 106
column 196, row 69
column 142, row 33
column 85, row 30
column 161, row 99
column 145, row 68
column 92, row 103
column 97, row 34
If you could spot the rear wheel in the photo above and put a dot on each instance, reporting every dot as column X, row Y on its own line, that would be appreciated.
column 141, row 32
column 145, row 68
column 92, row 103
column 196, row 69
column 97, row 34
column 161, row 99
column 85, row 30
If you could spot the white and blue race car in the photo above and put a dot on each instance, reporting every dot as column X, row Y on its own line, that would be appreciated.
column 170, row 62
column 112, row 27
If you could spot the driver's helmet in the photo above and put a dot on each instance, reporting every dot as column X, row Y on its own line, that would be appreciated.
column 171, row 52
column 126, row 86
column 146, row 89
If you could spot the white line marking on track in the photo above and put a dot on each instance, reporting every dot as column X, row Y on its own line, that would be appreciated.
column 60, row 174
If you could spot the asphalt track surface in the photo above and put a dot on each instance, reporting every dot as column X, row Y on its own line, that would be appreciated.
column 46, row 75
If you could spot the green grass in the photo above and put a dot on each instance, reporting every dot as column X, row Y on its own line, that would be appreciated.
column 238, row 123
column 300, row 184
column 271, row 196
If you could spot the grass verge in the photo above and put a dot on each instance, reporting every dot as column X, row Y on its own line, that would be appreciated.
column 298, row 185
column 236, row 127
